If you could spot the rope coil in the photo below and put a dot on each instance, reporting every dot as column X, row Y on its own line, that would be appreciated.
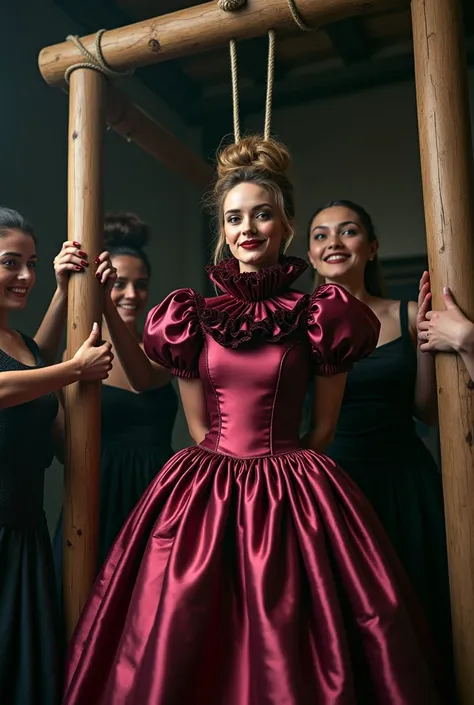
column 234, row 5
column 95, row 63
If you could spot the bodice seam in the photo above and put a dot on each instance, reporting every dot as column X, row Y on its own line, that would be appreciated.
column 257, row 457
column 280, row 368
column 218, row 408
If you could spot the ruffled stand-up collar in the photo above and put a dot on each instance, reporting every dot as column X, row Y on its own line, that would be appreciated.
column 255, row 305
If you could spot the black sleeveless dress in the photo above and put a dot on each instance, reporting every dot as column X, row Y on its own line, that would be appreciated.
column 377, row 445
column 30, row 646
column 135, row 444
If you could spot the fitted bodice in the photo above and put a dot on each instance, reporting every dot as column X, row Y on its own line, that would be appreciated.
column 255, row 395
column 255, row 348
column 26, row 449
column 138, row 419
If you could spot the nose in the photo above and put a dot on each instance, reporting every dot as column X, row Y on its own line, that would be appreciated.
column 247, row 225
column 25, row 275
column 334, row 242
column 130, row 292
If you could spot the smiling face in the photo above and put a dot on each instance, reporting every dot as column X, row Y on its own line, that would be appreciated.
column 130, row 292
column 254, row 230
column 17, row 269
column 339, row 247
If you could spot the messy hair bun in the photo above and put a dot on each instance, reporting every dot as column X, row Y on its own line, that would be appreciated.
column 260, row 161
column 126, row 234
column 254, row 152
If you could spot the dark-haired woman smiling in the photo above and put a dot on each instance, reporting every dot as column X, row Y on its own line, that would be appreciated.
column 30, row 418
column 375, row 440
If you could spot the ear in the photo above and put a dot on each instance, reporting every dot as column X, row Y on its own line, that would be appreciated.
column 373, row 249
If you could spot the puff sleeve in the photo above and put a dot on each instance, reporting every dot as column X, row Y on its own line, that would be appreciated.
column 341, row 330
column 172, row 335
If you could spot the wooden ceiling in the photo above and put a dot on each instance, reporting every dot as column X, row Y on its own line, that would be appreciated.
column 345, row 56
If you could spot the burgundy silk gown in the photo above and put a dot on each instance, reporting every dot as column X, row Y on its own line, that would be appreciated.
column 252, row 571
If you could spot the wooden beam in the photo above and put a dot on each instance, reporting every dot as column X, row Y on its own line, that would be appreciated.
column 168, row 80
column 448, row 190
column 135, row 125
column 197, row 29
column 349, row 40
column 82, row 399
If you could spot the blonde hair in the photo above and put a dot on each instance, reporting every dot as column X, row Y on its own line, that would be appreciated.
column 258, row 161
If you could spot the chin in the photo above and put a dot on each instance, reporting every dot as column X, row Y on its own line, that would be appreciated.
column 258, row 259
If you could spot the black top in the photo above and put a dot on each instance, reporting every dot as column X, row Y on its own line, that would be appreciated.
column 26, row 449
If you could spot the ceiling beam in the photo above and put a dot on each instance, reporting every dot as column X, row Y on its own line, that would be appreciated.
column 295, row 90
column 197, row 29
column 168, row 81
column 349, row 40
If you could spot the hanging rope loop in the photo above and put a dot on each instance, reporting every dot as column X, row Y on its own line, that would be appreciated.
column 233, row 6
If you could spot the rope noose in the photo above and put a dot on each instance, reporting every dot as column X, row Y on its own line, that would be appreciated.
column 233, row 6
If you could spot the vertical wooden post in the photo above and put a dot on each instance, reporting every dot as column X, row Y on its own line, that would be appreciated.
column 448, row 189
column 85, row 225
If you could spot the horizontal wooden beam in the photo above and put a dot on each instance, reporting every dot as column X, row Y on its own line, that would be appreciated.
column 200, row 28
column 136, row 126
column 168, row 81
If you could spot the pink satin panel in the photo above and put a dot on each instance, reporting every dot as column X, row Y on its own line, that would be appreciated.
column 253, row 572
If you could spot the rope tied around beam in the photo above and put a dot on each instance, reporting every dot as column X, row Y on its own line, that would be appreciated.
column 95, row 63
column 234, row 5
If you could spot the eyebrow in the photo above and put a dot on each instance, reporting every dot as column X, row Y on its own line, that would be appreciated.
column 255, row 208
column 340, row 225
column 16, row 254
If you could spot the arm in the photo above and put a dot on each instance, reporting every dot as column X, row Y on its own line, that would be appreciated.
column 328, row 393
column 195, row 409
column 23, row 386
column 89, row 363
column 58, row 432
column 448, row 331
column 425, row 402
column 49, row 334
column 142, row 373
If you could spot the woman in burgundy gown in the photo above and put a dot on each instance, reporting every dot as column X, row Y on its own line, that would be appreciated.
column 253, row 571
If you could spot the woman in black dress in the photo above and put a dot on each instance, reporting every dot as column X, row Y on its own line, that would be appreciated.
column 139, row 404
column 30, row 421
column 376, row 442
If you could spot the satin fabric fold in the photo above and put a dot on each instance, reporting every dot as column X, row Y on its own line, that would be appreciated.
column 259, row 582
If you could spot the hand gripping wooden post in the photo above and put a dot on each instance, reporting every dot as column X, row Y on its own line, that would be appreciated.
column 85, row 225
column 448, row 190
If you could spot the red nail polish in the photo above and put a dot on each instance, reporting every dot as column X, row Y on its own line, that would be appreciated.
column 79, row 269
column 76, row 244
column 97, row 274
column 97, row 260
column 84, row 263
column 82, row 254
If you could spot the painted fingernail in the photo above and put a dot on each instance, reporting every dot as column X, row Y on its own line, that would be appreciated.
column 97, row 260
column 76, row 244
column 82, row 254
column 84, row 263
column 79, row 269
column 97, row 274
